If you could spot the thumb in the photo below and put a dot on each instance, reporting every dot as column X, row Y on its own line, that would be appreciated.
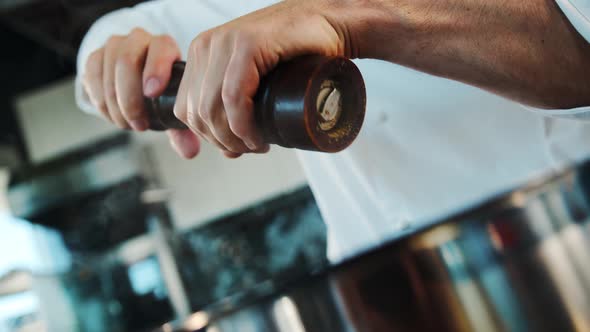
column 184, row 142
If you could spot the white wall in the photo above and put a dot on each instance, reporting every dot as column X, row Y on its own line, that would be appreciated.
column 52, row 123
column 211, row 185
column 206, row 187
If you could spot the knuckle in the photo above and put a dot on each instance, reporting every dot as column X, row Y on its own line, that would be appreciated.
column 119, row 121
column 137, row 31
column 166, row 40
column 227, row 141
column 193, row 119
column 206, row 36
column 244, row 39
column 205, row 106
column 110, row 93
column 180, row 114
column 104, row 111
column 206, row 114
column 87, row 79
column 94, row 64
column 223, row 137
column 200, row 127
column 230, row 94
column 113, row 40
column 201, row 43
column 89, row 76
column 101, row 105
column 94, row 57
column 157, row 65
column 223, row 35
column 131, row 107
column 123, row 125
column 242, row 36
column 229, row 145
column 128, row 60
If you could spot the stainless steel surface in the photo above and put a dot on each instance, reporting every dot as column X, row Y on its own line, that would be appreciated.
column 46, row 191
column 8, row 156
column 100, row 265
column 161, row 235
column 519, row 262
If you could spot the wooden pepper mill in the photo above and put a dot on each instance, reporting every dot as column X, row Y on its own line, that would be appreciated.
column 312, row 103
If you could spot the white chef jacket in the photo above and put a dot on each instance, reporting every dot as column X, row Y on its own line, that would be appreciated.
column 429, row 146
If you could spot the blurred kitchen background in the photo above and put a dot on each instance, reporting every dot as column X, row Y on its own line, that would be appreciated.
column 102, row 230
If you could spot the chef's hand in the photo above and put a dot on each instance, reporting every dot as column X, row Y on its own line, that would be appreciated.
column 225, row 64
column 512, row 53
column 118, row 75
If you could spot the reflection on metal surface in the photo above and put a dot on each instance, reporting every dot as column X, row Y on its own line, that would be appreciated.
column 169, row 268
column 436, row 237
column 167, row 328
column 565, row 278
column 286, row 316
column 99, row 272
column 197, row 321
column 46, row 191
column 255, row 249
column 519, row 262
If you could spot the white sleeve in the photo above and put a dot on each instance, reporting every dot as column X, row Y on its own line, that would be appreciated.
column 578, row 12
column 182, row 19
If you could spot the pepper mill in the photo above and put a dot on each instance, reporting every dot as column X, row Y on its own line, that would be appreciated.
column 314, row 103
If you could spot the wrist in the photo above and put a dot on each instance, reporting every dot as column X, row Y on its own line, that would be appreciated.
column 377, row 29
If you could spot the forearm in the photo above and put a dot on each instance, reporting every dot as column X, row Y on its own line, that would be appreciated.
column 524, row 50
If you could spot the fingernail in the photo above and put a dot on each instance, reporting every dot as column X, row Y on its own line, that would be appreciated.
column 151, row 86
column 139, row 125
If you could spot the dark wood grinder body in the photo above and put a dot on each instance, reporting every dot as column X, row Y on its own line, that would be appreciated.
column 312, row 103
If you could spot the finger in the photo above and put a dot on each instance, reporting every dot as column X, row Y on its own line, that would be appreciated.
column 128, row 79
column 231, row 155
column 221, row 131
column 239, row 87
column 183, row 103
column 93, row 82
column 194, row 73
column 205, row 132
column 264, row 149
column 162, row 54
column 108, row 72
column 180, row 105
column 184, row 142
column 211, row 106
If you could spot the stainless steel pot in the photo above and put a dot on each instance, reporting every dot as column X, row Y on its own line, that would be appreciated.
column 105, row 245
column 518, row 262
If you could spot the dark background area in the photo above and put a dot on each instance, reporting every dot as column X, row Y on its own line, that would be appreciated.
column 40, row 41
